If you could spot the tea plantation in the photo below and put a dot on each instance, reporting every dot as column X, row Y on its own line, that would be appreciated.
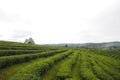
column 20, row 61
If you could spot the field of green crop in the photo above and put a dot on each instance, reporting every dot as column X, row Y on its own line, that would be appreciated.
column 20, row 61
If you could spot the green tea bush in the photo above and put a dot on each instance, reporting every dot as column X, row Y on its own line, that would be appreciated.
column 39, row 68
column 10, row 60
column 65, row 69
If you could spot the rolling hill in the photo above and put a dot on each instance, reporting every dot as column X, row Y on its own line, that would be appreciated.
column 20, row 61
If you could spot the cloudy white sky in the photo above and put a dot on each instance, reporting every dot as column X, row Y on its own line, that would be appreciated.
column 60, row 21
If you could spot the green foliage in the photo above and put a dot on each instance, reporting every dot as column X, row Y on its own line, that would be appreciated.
column 86, row 71
column 100, row 73
column 39, row 68
column 10, row 60
column 65, row 69
column 17, row 52
column 84, row 63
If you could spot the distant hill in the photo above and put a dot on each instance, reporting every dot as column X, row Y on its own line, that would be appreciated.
column 101, row 45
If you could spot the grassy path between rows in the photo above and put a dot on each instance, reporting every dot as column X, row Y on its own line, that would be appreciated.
column 76, row 70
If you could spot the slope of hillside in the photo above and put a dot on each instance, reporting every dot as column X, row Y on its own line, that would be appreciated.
column 20, row 61
column 7, row 45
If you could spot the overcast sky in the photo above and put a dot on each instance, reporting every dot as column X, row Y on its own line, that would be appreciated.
column 60, row 21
